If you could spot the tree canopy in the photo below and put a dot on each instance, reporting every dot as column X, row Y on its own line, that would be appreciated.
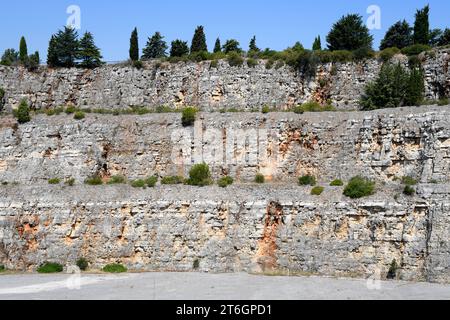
column 349, row 33
column 156, row 47
column 399, row 35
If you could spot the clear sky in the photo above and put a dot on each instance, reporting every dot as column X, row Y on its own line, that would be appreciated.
column 276, row 24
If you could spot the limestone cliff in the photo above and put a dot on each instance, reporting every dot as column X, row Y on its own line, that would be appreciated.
column 206, row 86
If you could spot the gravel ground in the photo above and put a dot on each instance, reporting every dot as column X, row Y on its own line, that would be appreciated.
column 201, row 286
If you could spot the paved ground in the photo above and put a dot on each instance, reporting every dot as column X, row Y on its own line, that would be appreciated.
column 194, row 286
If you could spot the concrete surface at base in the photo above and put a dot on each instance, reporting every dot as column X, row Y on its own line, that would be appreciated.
column 200, row 286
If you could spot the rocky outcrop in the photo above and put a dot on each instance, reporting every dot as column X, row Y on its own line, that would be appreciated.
column 207, row 86
column 384, row 145
column 251, row 229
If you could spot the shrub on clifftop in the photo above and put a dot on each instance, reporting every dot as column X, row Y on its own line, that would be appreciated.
column 188, row 116
column 23, row 112
column 359, row 187
column 199, row 175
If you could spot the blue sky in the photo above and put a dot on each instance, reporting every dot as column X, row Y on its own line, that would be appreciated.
column 276, row 24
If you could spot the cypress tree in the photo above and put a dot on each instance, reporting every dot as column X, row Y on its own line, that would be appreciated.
column 23, row 51
column 89, row 53
column 156, row 47
column 217, row 46
column 253, row 47
column 199, row 41
column 52, row 56
column 134, row 46
column 422, row 26
column 317, row 45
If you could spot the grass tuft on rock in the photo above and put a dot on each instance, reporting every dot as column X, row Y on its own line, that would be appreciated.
column 114, row 268
column 50, row 267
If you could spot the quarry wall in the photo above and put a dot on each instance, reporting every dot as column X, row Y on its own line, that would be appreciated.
column 209, row 87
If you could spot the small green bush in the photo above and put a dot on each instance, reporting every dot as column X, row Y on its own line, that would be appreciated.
column 225, row 182
column 117, row 180
column 163, row 109
column 2, row 268
column 392, row 274
column 196, row 264
column 70, row 182
column 269, row 64
column 138, row 184
column 415, row 49
column 151, row 181
column 443, row 102
column 235, row 59
column 114, row 268
column 317, row 191
column 359, row 187
column 252, row 62
column 266, row 109
column 313, row 107
column 23, row 112
column 94, row 181
column 214, row 63
column 170, row 180
column 79, row 115
column 388, row 53
column 50, row 267
column 337, row 183
column 260, row 178
column 138, row 64
column 409, row 190
column 409, row 181
column 307, row 181
column 199, row 175
column 188, row 116
column 71, row 109
column 54, row 181
column 83, row 264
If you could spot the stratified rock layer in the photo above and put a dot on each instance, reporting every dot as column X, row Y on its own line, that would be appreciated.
column 211, row 88
column 245, row 228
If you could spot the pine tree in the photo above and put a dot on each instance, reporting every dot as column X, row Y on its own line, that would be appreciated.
column 156, row 47
column 33, row 61
column 399, row 36
column 23, row 51
column 134, row 46
column 217, row 46
column 349, row 33
column 89, row 53
column 10, row 57
column 199, row 41
column 422, row 26
column 231, row 45
column 317, row 45
column 253, row 47
column 63, row 48
column 179, row 48
column 416, row 88
column 52, row 56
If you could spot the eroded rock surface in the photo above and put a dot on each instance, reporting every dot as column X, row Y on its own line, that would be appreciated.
column 211, row 88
